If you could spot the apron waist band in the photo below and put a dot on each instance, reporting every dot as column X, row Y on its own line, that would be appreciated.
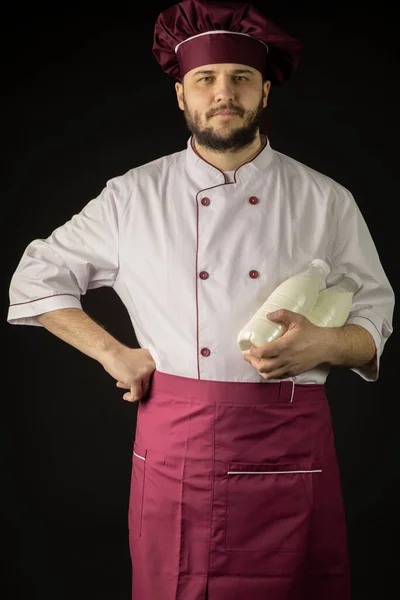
column 243, row 392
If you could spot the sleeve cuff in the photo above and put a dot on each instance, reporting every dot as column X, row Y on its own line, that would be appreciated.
column 369, row 371
column 25, row 313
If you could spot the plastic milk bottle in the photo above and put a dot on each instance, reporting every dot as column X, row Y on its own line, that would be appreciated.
column 298, row 293
column 333, row 304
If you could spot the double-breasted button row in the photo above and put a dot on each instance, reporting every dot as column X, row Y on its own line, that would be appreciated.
column 252, row 200
column 253, row 274
column 204, row 275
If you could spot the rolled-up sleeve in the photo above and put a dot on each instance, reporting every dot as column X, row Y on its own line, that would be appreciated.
column 82, row 254
column 353, row 250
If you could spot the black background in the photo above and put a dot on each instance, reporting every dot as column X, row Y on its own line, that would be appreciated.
column 83, row 101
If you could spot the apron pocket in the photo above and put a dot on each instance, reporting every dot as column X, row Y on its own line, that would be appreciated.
column 137, row 489
column 268, row 506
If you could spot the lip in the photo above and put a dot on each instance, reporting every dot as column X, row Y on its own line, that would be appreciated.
column 225, row 113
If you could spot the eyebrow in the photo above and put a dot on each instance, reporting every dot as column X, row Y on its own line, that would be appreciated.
column 234, row 72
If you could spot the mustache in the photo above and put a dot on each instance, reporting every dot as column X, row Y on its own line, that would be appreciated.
column 233, row 109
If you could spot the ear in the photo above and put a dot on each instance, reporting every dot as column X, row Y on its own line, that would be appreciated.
column 179, row 95
column 266, row 89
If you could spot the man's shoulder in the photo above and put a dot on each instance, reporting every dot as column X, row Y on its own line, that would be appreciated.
column 296, row 168
column 150, row 170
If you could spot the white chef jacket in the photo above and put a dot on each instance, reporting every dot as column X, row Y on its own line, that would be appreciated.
column 192, row 256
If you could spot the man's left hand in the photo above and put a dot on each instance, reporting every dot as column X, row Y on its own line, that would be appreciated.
column 302, row 347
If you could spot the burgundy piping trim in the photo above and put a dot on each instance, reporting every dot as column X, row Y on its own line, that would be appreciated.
column 44, row 298
column 197, row 271
column 197, row 235
column 236, row 170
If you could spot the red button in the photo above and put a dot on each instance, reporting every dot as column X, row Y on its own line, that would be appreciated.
column 206, row 201
column 204, row 275
column 205, row 352
column 253, row 200
column 254, row 274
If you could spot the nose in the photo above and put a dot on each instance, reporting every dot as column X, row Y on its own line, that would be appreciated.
column 224, row 90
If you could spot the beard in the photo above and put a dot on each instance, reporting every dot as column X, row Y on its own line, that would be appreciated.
column 230, row 141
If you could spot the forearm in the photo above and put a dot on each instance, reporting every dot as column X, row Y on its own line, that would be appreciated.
column 349, row 346
column 75, row 327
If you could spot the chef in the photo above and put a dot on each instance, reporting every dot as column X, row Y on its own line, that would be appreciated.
column 235, row 487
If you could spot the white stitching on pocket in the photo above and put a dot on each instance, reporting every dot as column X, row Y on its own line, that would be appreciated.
column 254, row 505
column 271, row 472
column 142, row 457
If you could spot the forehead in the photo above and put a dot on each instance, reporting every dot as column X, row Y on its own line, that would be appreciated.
column 221, row 68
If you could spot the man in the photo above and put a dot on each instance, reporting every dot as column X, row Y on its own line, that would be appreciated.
column 235, row 485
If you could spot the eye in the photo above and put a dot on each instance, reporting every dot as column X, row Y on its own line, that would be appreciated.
column 241, row 77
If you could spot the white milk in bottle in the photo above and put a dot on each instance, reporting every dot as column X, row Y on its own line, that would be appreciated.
column 333, row 304
column 298, row 293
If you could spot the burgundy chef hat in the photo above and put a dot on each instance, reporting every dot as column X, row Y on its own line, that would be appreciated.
column 193, row 33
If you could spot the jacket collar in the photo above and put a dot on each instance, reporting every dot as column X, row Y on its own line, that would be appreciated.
column 200, row 168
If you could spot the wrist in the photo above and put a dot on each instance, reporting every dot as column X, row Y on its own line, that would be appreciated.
column 347, row 346
column 330, row 346
column 109, row 349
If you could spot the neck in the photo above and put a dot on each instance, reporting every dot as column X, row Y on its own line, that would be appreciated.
column 230, row 161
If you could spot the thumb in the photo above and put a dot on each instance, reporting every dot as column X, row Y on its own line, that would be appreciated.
column 282, row 315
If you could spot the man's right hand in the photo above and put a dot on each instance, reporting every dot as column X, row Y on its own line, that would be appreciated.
column 132, row 368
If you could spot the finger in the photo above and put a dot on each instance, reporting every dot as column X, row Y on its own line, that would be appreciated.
column 265, row 351
column 254, row 362
column 131, row 396
column 136, row 391
column 269, row 367
column 145, row 387
column 276, row 374
column 123, row 385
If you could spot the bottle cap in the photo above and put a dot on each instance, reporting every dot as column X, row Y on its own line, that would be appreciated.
column 323, row 264
column 355, row 278
column 244, row 340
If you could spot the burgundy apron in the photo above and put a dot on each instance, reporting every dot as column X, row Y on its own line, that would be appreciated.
column 236, row 492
